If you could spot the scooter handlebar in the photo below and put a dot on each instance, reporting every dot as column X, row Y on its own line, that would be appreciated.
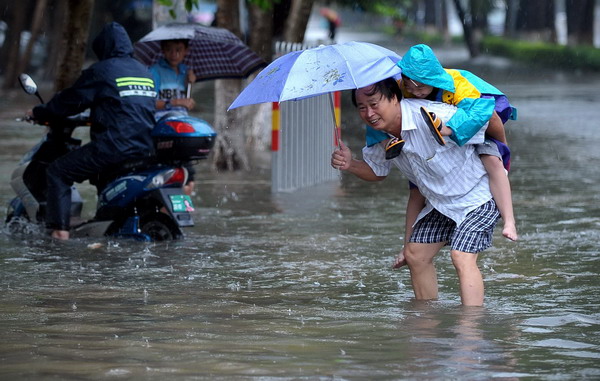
column 79, row 120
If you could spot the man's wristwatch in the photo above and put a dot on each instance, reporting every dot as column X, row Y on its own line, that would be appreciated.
column 168, row 105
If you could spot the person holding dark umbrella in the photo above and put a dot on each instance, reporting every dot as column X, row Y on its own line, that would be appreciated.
column 171, row 77
column 181, row 54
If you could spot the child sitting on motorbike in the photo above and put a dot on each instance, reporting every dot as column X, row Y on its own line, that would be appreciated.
column 171, row 78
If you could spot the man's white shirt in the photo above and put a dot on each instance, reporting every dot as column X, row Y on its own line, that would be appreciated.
column 452, row 178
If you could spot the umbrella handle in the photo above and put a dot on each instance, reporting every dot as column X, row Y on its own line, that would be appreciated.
column 189, row 90
column 336, row 131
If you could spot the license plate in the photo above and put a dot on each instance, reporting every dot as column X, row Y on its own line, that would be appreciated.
column 181, row 203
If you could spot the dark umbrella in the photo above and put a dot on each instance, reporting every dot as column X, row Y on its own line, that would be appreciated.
column 213, row 52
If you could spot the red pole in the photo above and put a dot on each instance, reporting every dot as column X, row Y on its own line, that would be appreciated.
column 275, row 123
column 337, row 105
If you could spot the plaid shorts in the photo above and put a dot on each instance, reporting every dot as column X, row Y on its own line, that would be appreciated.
column 473, row 235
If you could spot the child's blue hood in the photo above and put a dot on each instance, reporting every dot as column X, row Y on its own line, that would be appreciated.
column 421, row 65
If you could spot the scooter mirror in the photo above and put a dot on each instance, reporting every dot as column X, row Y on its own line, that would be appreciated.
column 29, row 86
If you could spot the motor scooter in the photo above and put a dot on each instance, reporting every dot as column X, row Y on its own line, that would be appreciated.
column 141, row 199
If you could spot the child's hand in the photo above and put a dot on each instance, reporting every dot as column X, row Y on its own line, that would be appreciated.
column 191, row 77
column 188, row 103
column 445, row 130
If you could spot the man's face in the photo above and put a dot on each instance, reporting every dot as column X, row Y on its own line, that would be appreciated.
column 174, row 52
column 377, row 111
column 418, row 89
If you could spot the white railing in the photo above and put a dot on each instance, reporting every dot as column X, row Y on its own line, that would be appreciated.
column 303, row 137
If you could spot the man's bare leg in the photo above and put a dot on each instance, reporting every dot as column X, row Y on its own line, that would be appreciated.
column 469, row 277
column 419, row 257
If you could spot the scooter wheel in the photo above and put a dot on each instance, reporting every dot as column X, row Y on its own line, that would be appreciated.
column 159, row 227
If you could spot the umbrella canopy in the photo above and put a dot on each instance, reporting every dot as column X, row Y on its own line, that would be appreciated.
column 213, row 52
column 321, row 70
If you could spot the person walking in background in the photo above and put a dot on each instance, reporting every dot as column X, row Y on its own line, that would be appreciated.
column 456, row 210
column 333, row 21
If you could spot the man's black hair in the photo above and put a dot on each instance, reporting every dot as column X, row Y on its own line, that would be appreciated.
column 388, row 88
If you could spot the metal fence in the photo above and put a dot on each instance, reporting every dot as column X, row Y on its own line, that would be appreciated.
column 302, row 139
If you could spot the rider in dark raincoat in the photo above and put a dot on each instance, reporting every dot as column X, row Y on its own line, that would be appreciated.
column 120, row 93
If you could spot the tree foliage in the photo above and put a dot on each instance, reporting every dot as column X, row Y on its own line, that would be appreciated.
column 188, row 5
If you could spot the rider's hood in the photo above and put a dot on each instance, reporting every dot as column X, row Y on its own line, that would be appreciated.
column 421, row 65
column 112, row 41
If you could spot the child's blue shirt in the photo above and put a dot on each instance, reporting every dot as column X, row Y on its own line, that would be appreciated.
column 169, row 84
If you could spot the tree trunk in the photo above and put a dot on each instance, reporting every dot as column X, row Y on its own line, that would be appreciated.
column 444, row 21
column 510, row 20
column 298, row 20
column 472, row 45
column 479, row 10
column 57, row 11
column 261, row 41
column 16, row 23
column 432, row 20
column 36, row 26
column 580, row 22
column 261, row 31
column 75, row 40
column 229, row 152
column 535, row 21
column 281, row 11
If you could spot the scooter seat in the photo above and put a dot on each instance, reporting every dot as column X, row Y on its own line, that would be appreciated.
column 121, row 169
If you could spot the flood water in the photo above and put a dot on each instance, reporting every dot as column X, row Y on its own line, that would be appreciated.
column 299, row 285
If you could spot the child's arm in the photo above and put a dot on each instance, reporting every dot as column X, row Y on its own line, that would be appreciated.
column 470, row 117
column 473, row 111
